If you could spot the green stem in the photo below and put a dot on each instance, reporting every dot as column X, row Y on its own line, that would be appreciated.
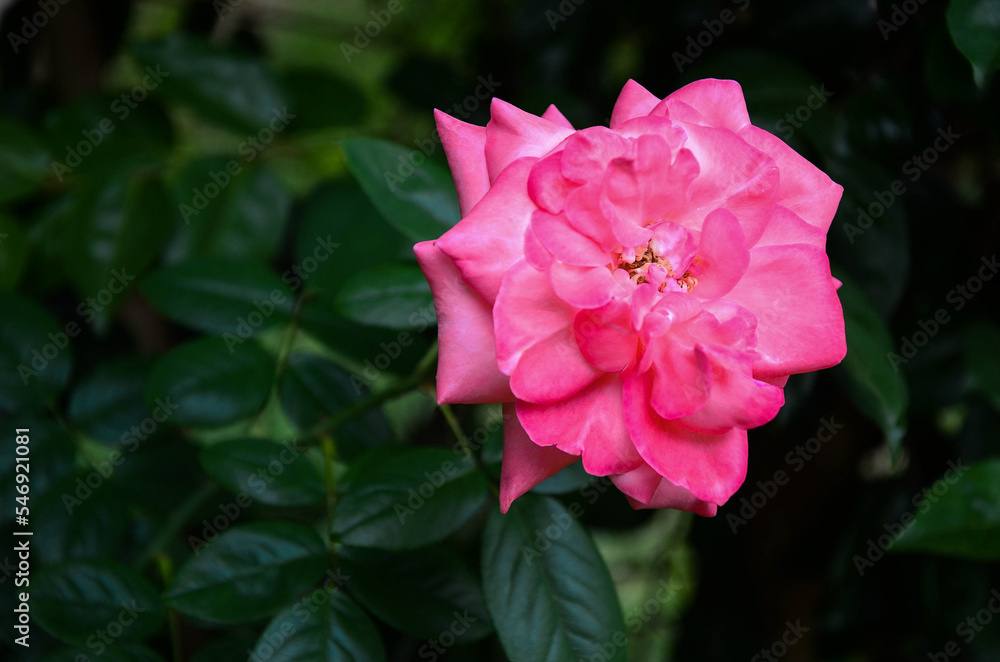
column 330, row 479
column 401, row 387
column 173, row 620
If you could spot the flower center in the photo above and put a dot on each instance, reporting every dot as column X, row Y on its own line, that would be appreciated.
column 652, row 268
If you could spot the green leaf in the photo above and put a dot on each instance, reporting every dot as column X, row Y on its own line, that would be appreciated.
column 367, row 351
column 975, row 27
column 248, row 572
column 13, row 253
column 388, row 297
column 228, row 648
column 422, row 593
column 341, row 210
column 982, row 352
column 233, row 89
column 208, row 383
column 419, row 200
column 547, row 588
column 312, row 389
column 79, row 517
column 411, row 499
column 323, row 99
column 119, row 225
column 76, row 599
column 964, row 521
column 24, row 161
column 220, row 297
column 329, row 628
column 874, row 381
column 238, row 464
column 235, row 217
column 108, row 402
column 35, row 354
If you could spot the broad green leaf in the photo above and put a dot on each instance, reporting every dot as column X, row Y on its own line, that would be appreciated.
column 221, row 297
column 414, row 195
column 231, row 88
column 322, row 627
column 75, row 599
column 959, row 515
column 982, row 352
column 159, row 472
column 975, row 27
column 411, row 499
column 248, row 572
column 83, row 516
column 228, row 210
column 24, row 161
column 341, row 211
column 547, row 588
column 98, row 135
column 271, row 473
column 228, row 648
column 13, row 253
column 420, row 592
column 387, row 297
column 873, row 377
column 322, row 99
column 208, row 382
column 313, row 389
column 367, row 351
column 35, row 354
column 119, row 225
column 108, row 402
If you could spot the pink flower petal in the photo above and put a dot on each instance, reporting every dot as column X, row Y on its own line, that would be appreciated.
column 464, row 145
column 712, row 467
column 804, row 188
column 512, row 134
column 605, row 337
column 582, row 287
column 553, row 115
column 723, row 255
column 565, row 242
column 547, row 186
column 787, row 228
column 490, row 239
column 535, row 341
column 467, row 365
column 634, row 101
column 590, row 423
column 525, row 464
column 719, row 103
column 647, row 489
column 800, row 323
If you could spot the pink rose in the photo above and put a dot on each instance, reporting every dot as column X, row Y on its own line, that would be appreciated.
column 636, row 296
